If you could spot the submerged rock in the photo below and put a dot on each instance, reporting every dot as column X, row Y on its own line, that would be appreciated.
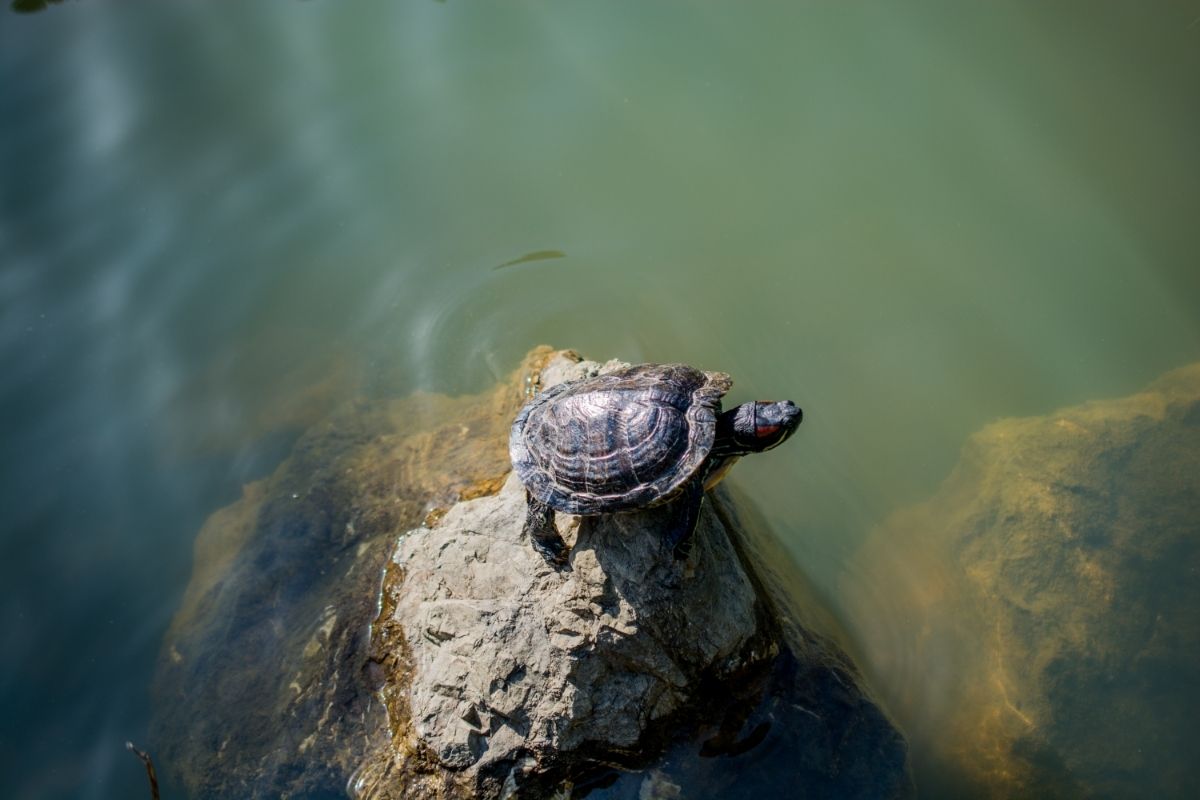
column 265, row 687
column 1044, row 638
column 486, row 673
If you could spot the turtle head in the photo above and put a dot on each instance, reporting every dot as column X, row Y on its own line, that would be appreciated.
column 758, row 426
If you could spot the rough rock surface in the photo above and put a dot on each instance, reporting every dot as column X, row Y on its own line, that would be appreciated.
column 514, row 660
column 1041, row 629
column 274, row 681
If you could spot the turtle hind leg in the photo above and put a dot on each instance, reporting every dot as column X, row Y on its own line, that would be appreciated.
column 687, row 515
column 543, row 535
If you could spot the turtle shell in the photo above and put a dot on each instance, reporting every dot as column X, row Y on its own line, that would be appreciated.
column 619, row 441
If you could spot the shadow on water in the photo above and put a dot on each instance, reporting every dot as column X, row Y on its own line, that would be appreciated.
column 30, row 6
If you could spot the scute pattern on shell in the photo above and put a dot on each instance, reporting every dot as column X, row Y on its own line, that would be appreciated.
column 619, row 441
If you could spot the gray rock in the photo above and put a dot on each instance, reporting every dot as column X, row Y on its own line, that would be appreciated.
column 512, row 658
column 516, row 665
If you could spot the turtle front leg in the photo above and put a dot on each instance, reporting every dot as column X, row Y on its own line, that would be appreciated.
column 687, row 515
column 543, row 535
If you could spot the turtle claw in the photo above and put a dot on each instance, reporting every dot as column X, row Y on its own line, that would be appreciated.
column 682, row 550
column 543, row 535
column 555, row 552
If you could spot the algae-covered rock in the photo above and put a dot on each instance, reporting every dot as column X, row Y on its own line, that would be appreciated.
column 1044, row 638
column 486, row 673
column 265, row 686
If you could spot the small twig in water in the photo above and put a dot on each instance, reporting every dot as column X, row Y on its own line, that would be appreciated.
column 145, row 757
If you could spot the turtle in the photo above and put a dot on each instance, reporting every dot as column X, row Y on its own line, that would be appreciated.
column 641, row 436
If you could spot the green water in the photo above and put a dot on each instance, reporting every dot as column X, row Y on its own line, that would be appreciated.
column 216, row 220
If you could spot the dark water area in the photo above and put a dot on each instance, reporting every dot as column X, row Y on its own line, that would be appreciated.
column 220, row 222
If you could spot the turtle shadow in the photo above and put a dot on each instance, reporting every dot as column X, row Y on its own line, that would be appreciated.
column 692, row 612
column 629, row 551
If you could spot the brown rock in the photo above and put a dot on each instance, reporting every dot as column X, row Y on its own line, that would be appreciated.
column 1043, row 636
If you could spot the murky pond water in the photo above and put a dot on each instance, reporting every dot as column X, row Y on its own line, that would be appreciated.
column 219, row 221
